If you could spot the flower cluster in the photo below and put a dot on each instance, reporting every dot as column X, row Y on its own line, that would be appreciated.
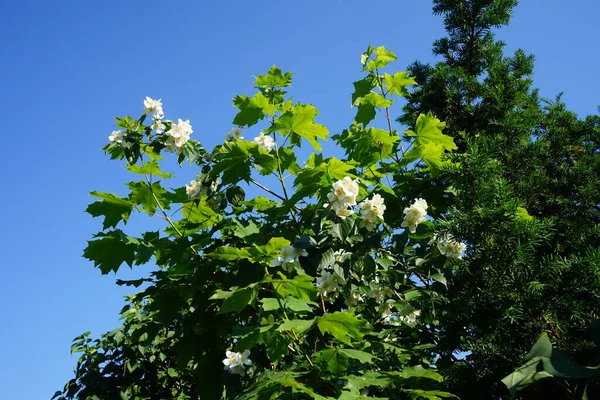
column 154, row 107
column 371, row 211
column 414, row 215
column 343, row 197
column 234, row 133
column 450, row 247
column 236, row 363
column 195, row 190
column 179, row 134
column 329, row 285
column 264, row 141
column 117, row 136
column 288, row 258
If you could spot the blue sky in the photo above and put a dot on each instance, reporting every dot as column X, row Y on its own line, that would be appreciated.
column 68, row 67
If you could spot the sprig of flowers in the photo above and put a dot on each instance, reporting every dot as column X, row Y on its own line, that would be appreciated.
column 236, row 363
column 414, row 215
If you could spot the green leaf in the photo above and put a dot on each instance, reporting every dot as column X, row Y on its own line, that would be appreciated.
column 144, row 195
column 297, row 325
column 367, row 146
column 226, row 253
column 343, row 326
column 251, row 109
column 110, row 250
column 235, row 195
column 300, row 287
column 361, row 356
column 369, row 378
column 300, row 120
column 233, row 161
column 298, row 305
column 336, row 362
column 377, row 58
column 430, row 143
column 397, row 83
column 274, row 78
column 417, row 394
column 440, row 278
column 238, row 300
column 269, row 304
column 113, row 208
column 148, row 168
column 418, row 372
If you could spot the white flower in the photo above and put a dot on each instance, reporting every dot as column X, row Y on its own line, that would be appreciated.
column 377, row 293
column 179, row 134
column 152, row 106
column 409, row 315
column 329, row 285
column 371, row 211
column 264, row 141
column 236, row 363
column 288, row 257
column 234, row 133
column 158, row 126
column 116, row 136
column 450, row 247
column 355, row 298
column 414, row 215
column 343, row 197
column 195, row 190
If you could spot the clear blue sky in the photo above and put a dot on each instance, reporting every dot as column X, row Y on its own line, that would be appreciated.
column 68, row 67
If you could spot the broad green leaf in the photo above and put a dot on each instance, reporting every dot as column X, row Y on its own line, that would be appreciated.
column 418, row 372
column 113, row 208
column 297, row 325
column 239, row 300
column 359, row 355
column 430, row 143
column 298, row 305
column 343, row 326
column 440, row 278
column 377, row 58
column 269, row 304
column 367, row 146
column 147, row 196
column 417, row 394
column 397, row 83
column 369, row 378
column 336, row 362
column 233, row 161
column 376, row 100
column 227, row 253
column 148, row 168
column 300, row 287
column 110, row 250
column 300, row 120
column 274, row 78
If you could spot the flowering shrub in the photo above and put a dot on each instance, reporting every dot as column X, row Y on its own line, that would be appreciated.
column 324, row 281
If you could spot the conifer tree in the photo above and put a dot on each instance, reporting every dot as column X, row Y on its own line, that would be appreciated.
column 526, row 185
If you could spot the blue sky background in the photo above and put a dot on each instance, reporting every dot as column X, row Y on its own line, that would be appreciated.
column 68, row 67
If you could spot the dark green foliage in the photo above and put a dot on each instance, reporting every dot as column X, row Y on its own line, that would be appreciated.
column 528, row 192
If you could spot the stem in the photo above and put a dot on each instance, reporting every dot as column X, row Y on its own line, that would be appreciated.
column 282, row 181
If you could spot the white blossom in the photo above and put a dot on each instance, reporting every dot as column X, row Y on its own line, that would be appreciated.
column 179, row 134
column 288, row 258
column 234, row 133
column 154, row 107
column 264, row 141
column 343, row 197
column 116, row 136
column 371, row 211
column 158, row 126
column 355, row 298
column 236, row 363
column 450, row 247
column 328, row 284
column 195, row 190
column 414, row 215
column 409, row 315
